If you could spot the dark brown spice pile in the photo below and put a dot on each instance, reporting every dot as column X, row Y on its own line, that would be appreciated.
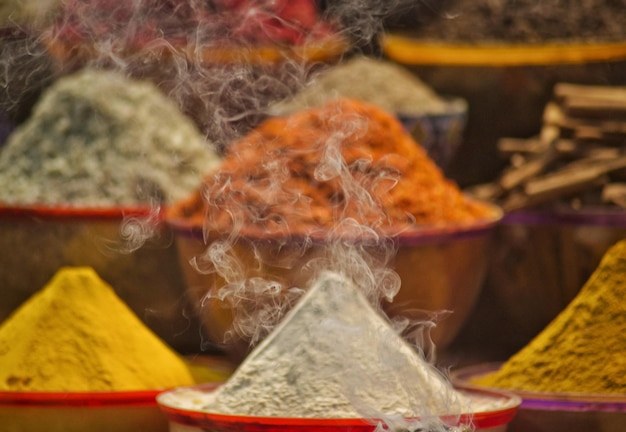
column 517, row 21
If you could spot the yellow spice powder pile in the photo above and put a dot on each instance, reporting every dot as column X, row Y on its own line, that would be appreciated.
column 76, row 334
column 583, row 350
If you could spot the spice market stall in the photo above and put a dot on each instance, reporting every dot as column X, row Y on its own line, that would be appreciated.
column 301, row 215
column 299, row 192
column 509, row 60
column 90, row 192
column 504, row 57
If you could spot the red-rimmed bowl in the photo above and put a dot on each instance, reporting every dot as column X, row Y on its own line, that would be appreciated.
column 36, row 241
column 129, row 411
column 499, row 409
column 441, row 268
column 554, row 412
column 99, row 411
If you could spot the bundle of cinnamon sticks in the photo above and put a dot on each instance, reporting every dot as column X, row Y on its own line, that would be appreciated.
column 578, row 157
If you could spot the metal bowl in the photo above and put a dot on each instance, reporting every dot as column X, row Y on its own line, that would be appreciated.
column 440, row 134
column 37, row 241
column 441, row 268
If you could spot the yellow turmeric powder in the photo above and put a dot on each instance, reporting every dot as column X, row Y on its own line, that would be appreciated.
column 583, row 350
column 76, row 334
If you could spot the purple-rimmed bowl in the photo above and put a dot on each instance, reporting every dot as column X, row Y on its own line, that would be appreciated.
column 542, row 258
column 555, row 412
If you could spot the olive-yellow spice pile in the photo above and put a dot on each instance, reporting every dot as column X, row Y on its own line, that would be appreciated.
column 583, row 350
column 77, row 335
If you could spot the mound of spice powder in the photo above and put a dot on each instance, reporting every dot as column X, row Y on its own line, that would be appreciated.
column 583, row 350
column 76, row 334
column 516, row 21
column 388, row 85
column 334, row 356
column 97, row 138
column 305, row 172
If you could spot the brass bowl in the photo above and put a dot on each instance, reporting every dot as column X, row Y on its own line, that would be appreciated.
column 37, row 241
column 441, row 269
column 541, row 260
column 505, row 85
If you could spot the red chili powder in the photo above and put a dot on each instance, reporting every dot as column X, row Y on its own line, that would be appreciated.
column 312, row 169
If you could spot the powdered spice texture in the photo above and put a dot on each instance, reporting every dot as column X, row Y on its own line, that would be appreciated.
column 387, row 85
column 75, row 335
column 583, row 350
column 344, row 159
column 518, row 21
column 97, row 139
column 332, row 356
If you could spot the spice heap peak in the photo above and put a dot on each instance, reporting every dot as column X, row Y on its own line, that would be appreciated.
column 332, row 356
column 76, row 335
column 386, row 84
column 303, row 173
column 583, row 350
column 97, row 138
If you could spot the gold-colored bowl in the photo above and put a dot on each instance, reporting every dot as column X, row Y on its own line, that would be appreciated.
column 441, row 269
column 412, row 51
column 37, row 241
column 506, row 87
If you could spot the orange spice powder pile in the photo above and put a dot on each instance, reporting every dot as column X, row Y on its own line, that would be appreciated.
column 307, row 171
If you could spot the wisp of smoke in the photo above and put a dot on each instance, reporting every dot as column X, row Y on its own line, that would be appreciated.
column 171, row 43
column 264, row 224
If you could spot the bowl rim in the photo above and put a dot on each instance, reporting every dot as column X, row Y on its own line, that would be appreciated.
column 196, row 417
column 456, row 108
column 62, row 399
column 312, row 49
column 87, row 212
column 601, row 402
column 407, row 236
column 610, row 217
column 420, row 51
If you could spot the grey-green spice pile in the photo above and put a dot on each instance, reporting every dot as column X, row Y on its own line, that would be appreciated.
column 98, row 139
column 388, row 85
